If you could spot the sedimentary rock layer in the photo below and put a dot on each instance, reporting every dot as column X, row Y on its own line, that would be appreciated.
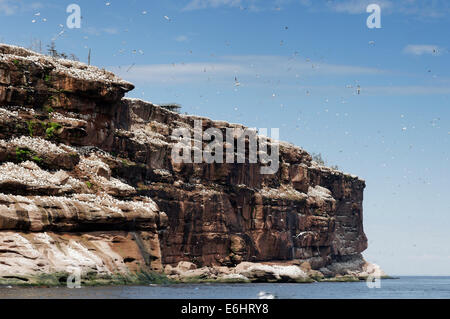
column 87, row 180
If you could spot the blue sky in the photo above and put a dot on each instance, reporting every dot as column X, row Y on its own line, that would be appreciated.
column 299, row 64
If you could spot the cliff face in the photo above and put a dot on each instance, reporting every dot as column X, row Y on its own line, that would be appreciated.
column 87, row 180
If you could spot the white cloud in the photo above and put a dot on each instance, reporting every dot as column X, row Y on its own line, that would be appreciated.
column 407, row 90
column 394, row 90
column 99, row 31
column 421, row 9
column 203, row 4
column 421, row 49
column 306, row 3
column 259, row 70
column 251, row 5
column 11, row 7
column 425, row 8
column 8, row 7
column 177, row 73
column 110, row 30
column 357, row 6
column 182, row 38
column 267, row 68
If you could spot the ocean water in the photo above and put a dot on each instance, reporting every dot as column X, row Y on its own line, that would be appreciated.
column 404, row 287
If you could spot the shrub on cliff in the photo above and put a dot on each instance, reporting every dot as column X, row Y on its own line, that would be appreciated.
column 51, row 50
column 174, row 107
column 317, row 157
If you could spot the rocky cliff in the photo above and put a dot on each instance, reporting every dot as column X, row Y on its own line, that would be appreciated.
column 87, row 181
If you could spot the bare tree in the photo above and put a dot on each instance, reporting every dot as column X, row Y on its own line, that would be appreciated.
column 53, row 52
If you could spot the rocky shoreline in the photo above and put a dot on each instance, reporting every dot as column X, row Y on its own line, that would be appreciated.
column 88, row 183
column 188, row 273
